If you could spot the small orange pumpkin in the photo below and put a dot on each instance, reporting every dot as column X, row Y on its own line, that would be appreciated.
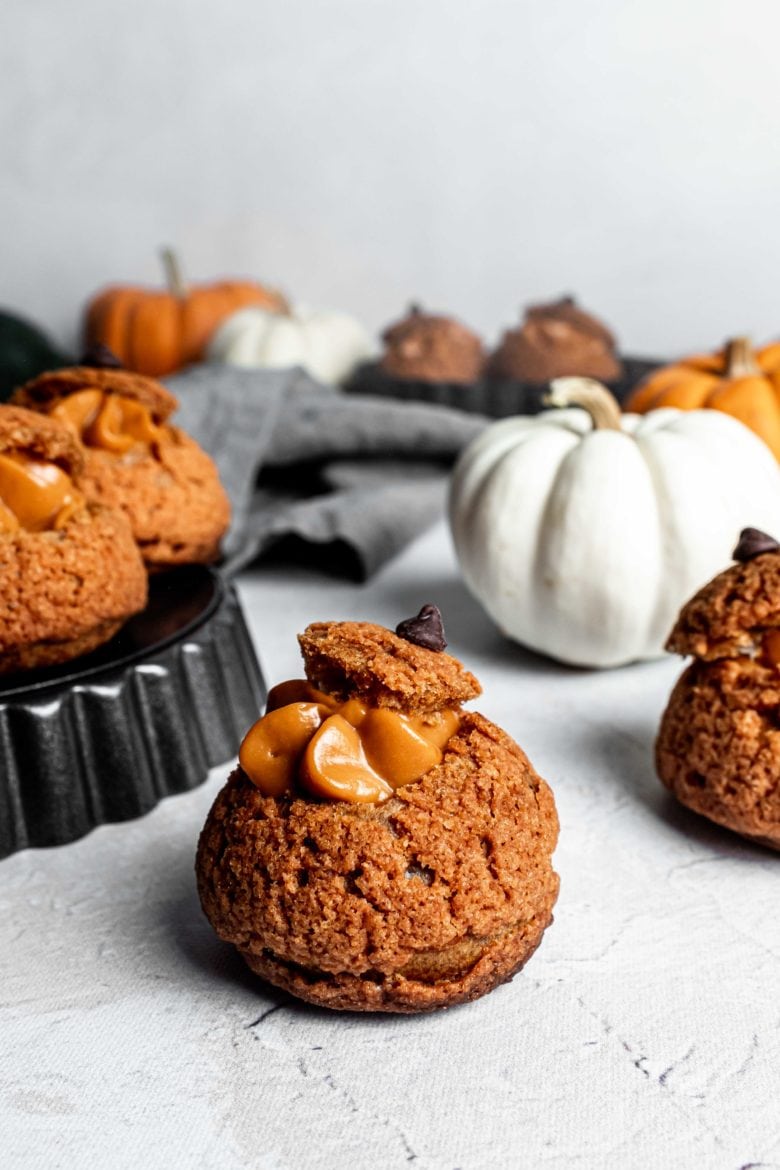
column 736, row 380
column 157, row 331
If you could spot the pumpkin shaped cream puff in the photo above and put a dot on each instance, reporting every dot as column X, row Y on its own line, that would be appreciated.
column 718, row 748
column 379, row 848
column 137, row 461
column 556, row 340
column 425, row 347
column 70, row 571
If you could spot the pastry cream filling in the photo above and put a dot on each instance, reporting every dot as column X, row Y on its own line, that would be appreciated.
column 340, row 751
column 35, row 495
column 109, row 421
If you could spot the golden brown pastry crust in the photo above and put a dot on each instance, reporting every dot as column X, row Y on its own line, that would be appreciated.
column 728, row 616
column 39, row 437
column 718, row 748
column 428, row 348
column 174, row 500
column 46, row 390
column 566, row 309
column 425, row 901
column 172, row 495
column 64, row 592
column 554, row 341
column 374, row 664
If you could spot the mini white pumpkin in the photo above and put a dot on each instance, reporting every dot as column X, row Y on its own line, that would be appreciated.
column 327, row 345
column 582, row 532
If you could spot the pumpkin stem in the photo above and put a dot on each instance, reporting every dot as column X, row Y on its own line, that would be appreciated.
column 740, row 359
column 602, row 406
column 173, row 276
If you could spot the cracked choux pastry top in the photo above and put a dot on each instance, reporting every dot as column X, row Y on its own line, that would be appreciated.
column 135, row 459
column 379, row 848
column 718, row 748
column 70, row 571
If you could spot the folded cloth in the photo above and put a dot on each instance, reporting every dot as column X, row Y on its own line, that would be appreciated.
column 346, row 478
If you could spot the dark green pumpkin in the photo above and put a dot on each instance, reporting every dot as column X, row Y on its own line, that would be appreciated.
column 25, row 352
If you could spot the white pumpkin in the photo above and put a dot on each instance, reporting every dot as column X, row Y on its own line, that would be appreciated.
column 582, row 532
column 327, row 345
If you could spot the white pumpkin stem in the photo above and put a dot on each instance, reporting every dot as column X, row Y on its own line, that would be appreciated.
column 602, row 406
column 740, row 359
column 173, row 276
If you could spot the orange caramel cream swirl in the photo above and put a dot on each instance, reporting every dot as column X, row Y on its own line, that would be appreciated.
column 35, row 495
column 109, row 422
column 339, row 751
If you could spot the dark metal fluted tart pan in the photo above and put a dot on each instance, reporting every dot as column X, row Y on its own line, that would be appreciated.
column 106, row 737
column 497, row 399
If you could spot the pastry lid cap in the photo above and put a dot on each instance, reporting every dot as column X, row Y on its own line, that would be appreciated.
column 420, row 323
column 39, row 437
column 360, row 659
column 729, row 615
column 47, row 389
column 567, row 310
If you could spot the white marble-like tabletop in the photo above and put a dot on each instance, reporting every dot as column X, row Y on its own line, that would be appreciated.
column 645, row 1032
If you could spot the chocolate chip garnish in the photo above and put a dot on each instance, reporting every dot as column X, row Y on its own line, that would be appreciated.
column 753, row 542
column 100, row 357
column 426, row 630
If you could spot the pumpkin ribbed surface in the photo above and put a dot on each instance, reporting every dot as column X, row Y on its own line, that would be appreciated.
column 156, row 332
column 736, row 381
column 582, row 534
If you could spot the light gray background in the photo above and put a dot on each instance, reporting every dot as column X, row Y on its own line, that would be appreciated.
column 362, row 152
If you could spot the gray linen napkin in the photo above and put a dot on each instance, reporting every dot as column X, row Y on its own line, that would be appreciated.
column 349, row 478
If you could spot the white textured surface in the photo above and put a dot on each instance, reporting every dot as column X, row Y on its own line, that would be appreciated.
column 645, row 1032
column 364, row 153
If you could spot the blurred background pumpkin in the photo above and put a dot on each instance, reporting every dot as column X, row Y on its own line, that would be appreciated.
column 735, row 380
column 158, row 331
column 328, row 345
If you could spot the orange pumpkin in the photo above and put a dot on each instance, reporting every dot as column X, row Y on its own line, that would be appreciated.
column 735, row 380
column 157, row 331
